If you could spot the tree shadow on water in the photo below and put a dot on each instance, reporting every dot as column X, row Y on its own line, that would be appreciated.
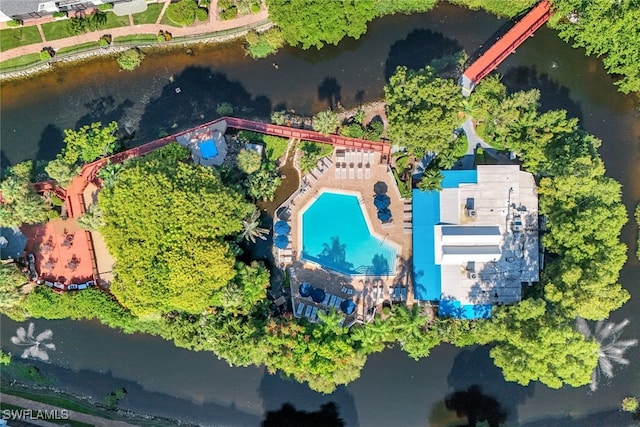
column 473, row 367
column 336, row 409
column 329, row 90
column 552, row 95
column 105, row 110
column 193, row 97
column 476, row 406
column 288, row 415
column 51, row 142
column 418, row 50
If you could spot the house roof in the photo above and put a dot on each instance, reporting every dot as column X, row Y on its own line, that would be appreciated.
column 476, row 241
column 20, row 7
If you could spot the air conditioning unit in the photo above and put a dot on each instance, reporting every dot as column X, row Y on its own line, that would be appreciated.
column 472, row 275
column 471, row 213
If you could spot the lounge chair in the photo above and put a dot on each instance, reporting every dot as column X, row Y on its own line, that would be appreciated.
column 326, row 298
column 310, row 179
column 327, row 162
column 360, row 171
column 314, row 314
column 307, row 312
column 337, row 174
column 332, row 300
column 359, row 157
column 315, row 172
column 343, row 171
column 352, row 171
column 299, row 309
column 367, row 172
column 408, row 214
column 338, row 302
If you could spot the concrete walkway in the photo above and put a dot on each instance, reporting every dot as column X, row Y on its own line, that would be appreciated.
column 474, row 142
column 211, row 26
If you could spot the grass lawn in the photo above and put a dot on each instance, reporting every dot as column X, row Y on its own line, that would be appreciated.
column 14, row 37
column 137, row 38
column 78, row 47
column 56, row 30
column 149, row 16
column 20, row 61
column 114, row 21
column 60, row 29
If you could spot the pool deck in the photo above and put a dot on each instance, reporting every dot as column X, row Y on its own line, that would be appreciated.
column 368, row 291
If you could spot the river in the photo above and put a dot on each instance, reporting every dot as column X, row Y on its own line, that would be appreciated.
column 393, row 389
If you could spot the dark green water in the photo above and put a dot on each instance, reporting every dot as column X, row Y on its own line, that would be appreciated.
column 393, row 390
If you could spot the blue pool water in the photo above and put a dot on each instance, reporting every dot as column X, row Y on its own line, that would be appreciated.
column 335, row 235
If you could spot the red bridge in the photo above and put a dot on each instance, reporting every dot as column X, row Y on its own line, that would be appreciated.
column 505, row 46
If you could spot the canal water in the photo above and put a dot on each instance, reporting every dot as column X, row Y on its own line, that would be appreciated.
column 393, row 390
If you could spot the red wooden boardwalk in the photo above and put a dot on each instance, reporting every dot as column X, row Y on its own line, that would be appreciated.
column 505, row 46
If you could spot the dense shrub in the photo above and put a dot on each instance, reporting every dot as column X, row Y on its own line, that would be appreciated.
column 182, row 13
column 59, row 15
column 229, row 13
column 130, row 59
column 202, row 14
column 45, row 55
column 13, row 23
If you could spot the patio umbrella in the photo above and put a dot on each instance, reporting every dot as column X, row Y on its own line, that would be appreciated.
column 281, row 227
column 381, row 201
column 348, row 306
column 384, row 215
column 305, row 289
column 317, row 295
column 281, row 241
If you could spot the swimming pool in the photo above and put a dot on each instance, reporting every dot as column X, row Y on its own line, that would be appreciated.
column 335, row 235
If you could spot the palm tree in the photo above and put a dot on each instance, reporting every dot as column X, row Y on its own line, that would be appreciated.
column 611, row 349
column 36, row 347
column 251, row 228
column 326, row 122
column 431, row 180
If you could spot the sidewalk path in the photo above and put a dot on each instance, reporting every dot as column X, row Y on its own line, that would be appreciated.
column 206, row 27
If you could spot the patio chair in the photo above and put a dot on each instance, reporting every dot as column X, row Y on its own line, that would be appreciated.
column 315, row 172
column 327, row 162
column 359, row 156
column 408, row 214
column 326, row 298
column 314, row 314
column 332, row 300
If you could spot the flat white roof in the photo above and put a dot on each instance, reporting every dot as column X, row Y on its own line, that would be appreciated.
column 483, row 258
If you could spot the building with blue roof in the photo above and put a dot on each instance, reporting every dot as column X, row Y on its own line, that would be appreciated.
column 475, row 242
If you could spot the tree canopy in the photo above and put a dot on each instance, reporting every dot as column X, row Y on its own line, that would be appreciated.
column 308, row 23
column 19, row 203
column 608, row 29
column 422, row 110
column 165, row 223
column 532, row 345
